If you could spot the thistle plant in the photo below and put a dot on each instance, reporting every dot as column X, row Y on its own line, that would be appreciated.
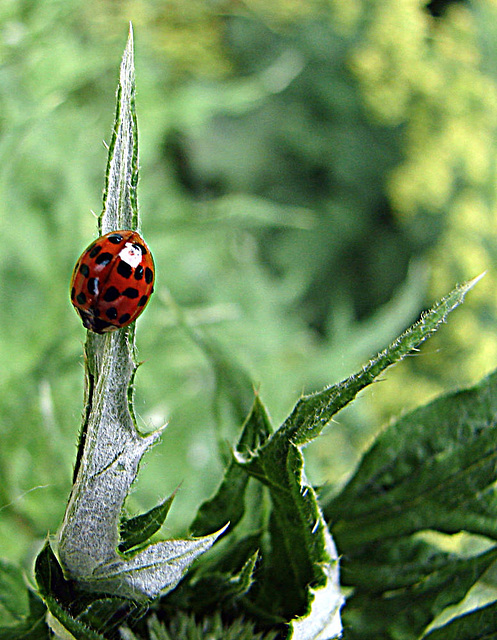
column 111, row 447
column 278, row 555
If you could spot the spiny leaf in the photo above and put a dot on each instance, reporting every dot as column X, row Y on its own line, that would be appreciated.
column 185, row 627
column 313, row 412
column 137, row 530
column 433, row 468
column 228, row 504
column 301, row 551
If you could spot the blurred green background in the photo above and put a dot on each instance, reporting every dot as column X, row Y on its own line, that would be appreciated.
column 314, row 173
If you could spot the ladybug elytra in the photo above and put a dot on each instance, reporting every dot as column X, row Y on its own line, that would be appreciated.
column 112, row 281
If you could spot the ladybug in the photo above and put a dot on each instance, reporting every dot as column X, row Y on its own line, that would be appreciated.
column 112, row 281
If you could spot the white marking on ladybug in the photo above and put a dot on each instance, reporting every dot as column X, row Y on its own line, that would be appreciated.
column 131, row 254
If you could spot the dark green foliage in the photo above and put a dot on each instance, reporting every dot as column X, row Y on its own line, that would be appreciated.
column 137, row 530
column 401, row 588
column 22, row 613
column 432, row 469
column 184, row 627
column 476, row 625
column 298, row 546
column 88, row 617
column 428, row 470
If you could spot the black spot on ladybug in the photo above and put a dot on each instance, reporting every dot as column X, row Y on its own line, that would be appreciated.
column 131, row 292
column 81, row 298
column 124, row 318
column 149, row 275
column 73, row 293
column 84, row 269
column 142, row 301
column 95, row 251
column 139, row 272
column 93, row 286
column 124, row 269
column 141, row 248
column 111, row 294
column 111, row 313
column 104, row 258
column 115, row 238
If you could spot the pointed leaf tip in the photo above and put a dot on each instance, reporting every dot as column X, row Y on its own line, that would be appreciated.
column 129, row 42
column 471, row 283
column 120, row 206
column 137, row 530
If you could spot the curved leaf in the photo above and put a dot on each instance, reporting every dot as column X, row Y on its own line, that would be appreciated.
column 137, row 530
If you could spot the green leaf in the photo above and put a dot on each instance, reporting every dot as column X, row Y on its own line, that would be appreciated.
column 313, row 412
column 54, row 589
column 242, row 581
column 137, row 530
column 228, row 504
column 433, row 468
column 480, row 624
column 14, row 603
column 302, row 551
column 22, row 614
column 401, row 588
column 216, row 590
column 120, row 205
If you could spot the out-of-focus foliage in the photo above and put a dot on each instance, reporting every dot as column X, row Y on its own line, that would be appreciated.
column 438, row 84
column 311, row 173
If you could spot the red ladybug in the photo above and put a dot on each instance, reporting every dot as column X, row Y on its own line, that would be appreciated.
column 112, row 281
